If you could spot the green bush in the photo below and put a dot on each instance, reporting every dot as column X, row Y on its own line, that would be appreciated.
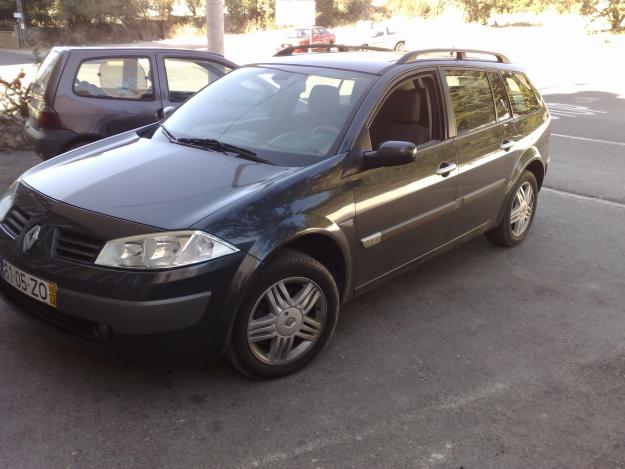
column 611, row 10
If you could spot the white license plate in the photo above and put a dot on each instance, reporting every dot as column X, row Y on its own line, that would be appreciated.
column 41, row 290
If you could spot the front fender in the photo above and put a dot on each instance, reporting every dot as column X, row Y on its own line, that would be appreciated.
column 261, row 252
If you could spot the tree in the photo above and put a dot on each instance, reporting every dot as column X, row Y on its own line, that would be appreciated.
column 612, row 10
column 478, row 10
column 196, row 7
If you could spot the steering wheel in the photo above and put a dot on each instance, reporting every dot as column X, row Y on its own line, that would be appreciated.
column 324, row 129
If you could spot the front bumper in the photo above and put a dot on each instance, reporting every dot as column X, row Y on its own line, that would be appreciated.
column 165, row 313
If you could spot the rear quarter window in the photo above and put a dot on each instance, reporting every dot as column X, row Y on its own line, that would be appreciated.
column 521, row 93
column 471, row 99
column 115, row 78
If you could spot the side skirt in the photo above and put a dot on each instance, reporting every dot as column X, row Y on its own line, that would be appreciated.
column 423, row 258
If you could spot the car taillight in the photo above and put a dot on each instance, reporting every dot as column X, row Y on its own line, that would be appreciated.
column 48, row 119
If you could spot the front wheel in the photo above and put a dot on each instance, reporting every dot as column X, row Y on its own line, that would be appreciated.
column 519, row 214
column 400, row 47
column 286, row 319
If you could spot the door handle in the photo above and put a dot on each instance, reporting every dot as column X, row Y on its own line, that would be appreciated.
column 507, row 144
column 445, row 169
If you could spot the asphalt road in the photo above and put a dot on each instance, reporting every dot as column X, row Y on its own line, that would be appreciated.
column 9, row 57
column 483, row 358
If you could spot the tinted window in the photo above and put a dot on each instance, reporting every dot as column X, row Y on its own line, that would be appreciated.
column 499, row 93
column 187, row 76
column 471, row 99
column 521, row 94
column 117, row 78
column 410, row 113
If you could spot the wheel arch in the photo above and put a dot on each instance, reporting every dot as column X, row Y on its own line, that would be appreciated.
column 531, row 160
column 330, row 248
column 312, row 242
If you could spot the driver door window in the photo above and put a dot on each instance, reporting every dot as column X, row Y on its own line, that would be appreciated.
column 185, row 77
column 410, row 113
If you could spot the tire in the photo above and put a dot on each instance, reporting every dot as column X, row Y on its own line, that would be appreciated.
column 400, row 46
column 271, row 336
column 509, row 233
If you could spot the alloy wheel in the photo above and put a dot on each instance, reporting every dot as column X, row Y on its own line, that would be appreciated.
column 522, row 209
column 286, row 321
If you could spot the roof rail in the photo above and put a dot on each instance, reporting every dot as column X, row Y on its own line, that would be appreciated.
column 329, row 46
column 461, row 54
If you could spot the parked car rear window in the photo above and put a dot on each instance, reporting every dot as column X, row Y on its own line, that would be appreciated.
column 115, row 78
column 44, row 72
column 471, row 99
column 522, row 96
column 185, row 77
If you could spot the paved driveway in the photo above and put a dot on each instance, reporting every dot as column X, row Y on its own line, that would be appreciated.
column 485, row 357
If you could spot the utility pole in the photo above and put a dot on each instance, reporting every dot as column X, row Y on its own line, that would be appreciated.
column 19, row 16
column 215, row 25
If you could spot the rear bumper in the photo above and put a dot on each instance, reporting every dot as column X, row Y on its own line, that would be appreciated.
column 48, row 143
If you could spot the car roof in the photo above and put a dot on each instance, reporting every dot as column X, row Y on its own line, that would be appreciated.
column 134, row 48
column 368, row 62
column 378, row 62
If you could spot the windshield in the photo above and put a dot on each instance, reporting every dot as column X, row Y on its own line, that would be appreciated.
column 289, row 117
column 299, row 33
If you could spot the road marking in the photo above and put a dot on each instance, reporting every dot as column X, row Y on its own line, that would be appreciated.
column 571, row 110
column 585, row 139
column 588, row 198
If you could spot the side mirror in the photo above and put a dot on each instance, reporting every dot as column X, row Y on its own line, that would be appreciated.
column 391, row 153
column 164, row 113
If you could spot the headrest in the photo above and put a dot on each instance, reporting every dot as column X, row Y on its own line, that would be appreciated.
column 324, row 99
column 403, row 106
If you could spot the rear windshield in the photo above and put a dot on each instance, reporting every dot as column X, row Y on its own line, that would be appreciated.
column 44, row 72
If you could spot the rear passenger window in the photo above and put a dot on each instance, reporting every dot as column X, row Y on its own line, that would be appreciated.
column 187, row 76
column 115, row 78
column 499, row 93
column 522, row 96
column 471, row 99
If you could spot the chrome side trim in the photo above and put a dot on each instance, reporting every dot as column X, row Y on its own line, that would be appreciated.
column 371, row 240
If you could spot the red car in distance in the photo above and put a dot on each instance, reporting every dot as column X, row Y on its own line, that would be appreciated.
column 320, row 35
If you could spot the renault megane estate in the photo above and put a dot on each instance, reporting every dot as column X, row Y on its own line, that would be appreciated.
column 239, row 225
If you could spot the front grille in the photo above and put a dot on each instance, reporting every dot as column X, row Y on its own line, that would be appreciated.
column 83, row 328
column 15, row 221
column 76, row 247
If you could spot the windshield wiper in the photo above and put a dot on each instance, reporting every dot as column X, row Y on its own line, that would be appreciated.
column 167, row 133
column 217, row 145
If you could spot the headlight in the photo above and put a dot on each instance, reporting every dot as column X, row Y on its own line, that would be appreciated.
column 163, row 250
column 6, row 201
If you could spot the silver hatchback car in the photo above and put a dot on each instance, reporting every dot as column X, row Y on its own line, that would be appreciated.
column 84, row 94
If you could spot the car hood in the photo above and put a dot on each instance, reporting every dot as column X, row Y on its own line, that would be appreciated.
column 152, row 182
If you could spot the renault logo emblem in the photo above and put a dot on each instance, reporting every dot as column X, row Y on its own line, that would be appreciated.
column 31, row 237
